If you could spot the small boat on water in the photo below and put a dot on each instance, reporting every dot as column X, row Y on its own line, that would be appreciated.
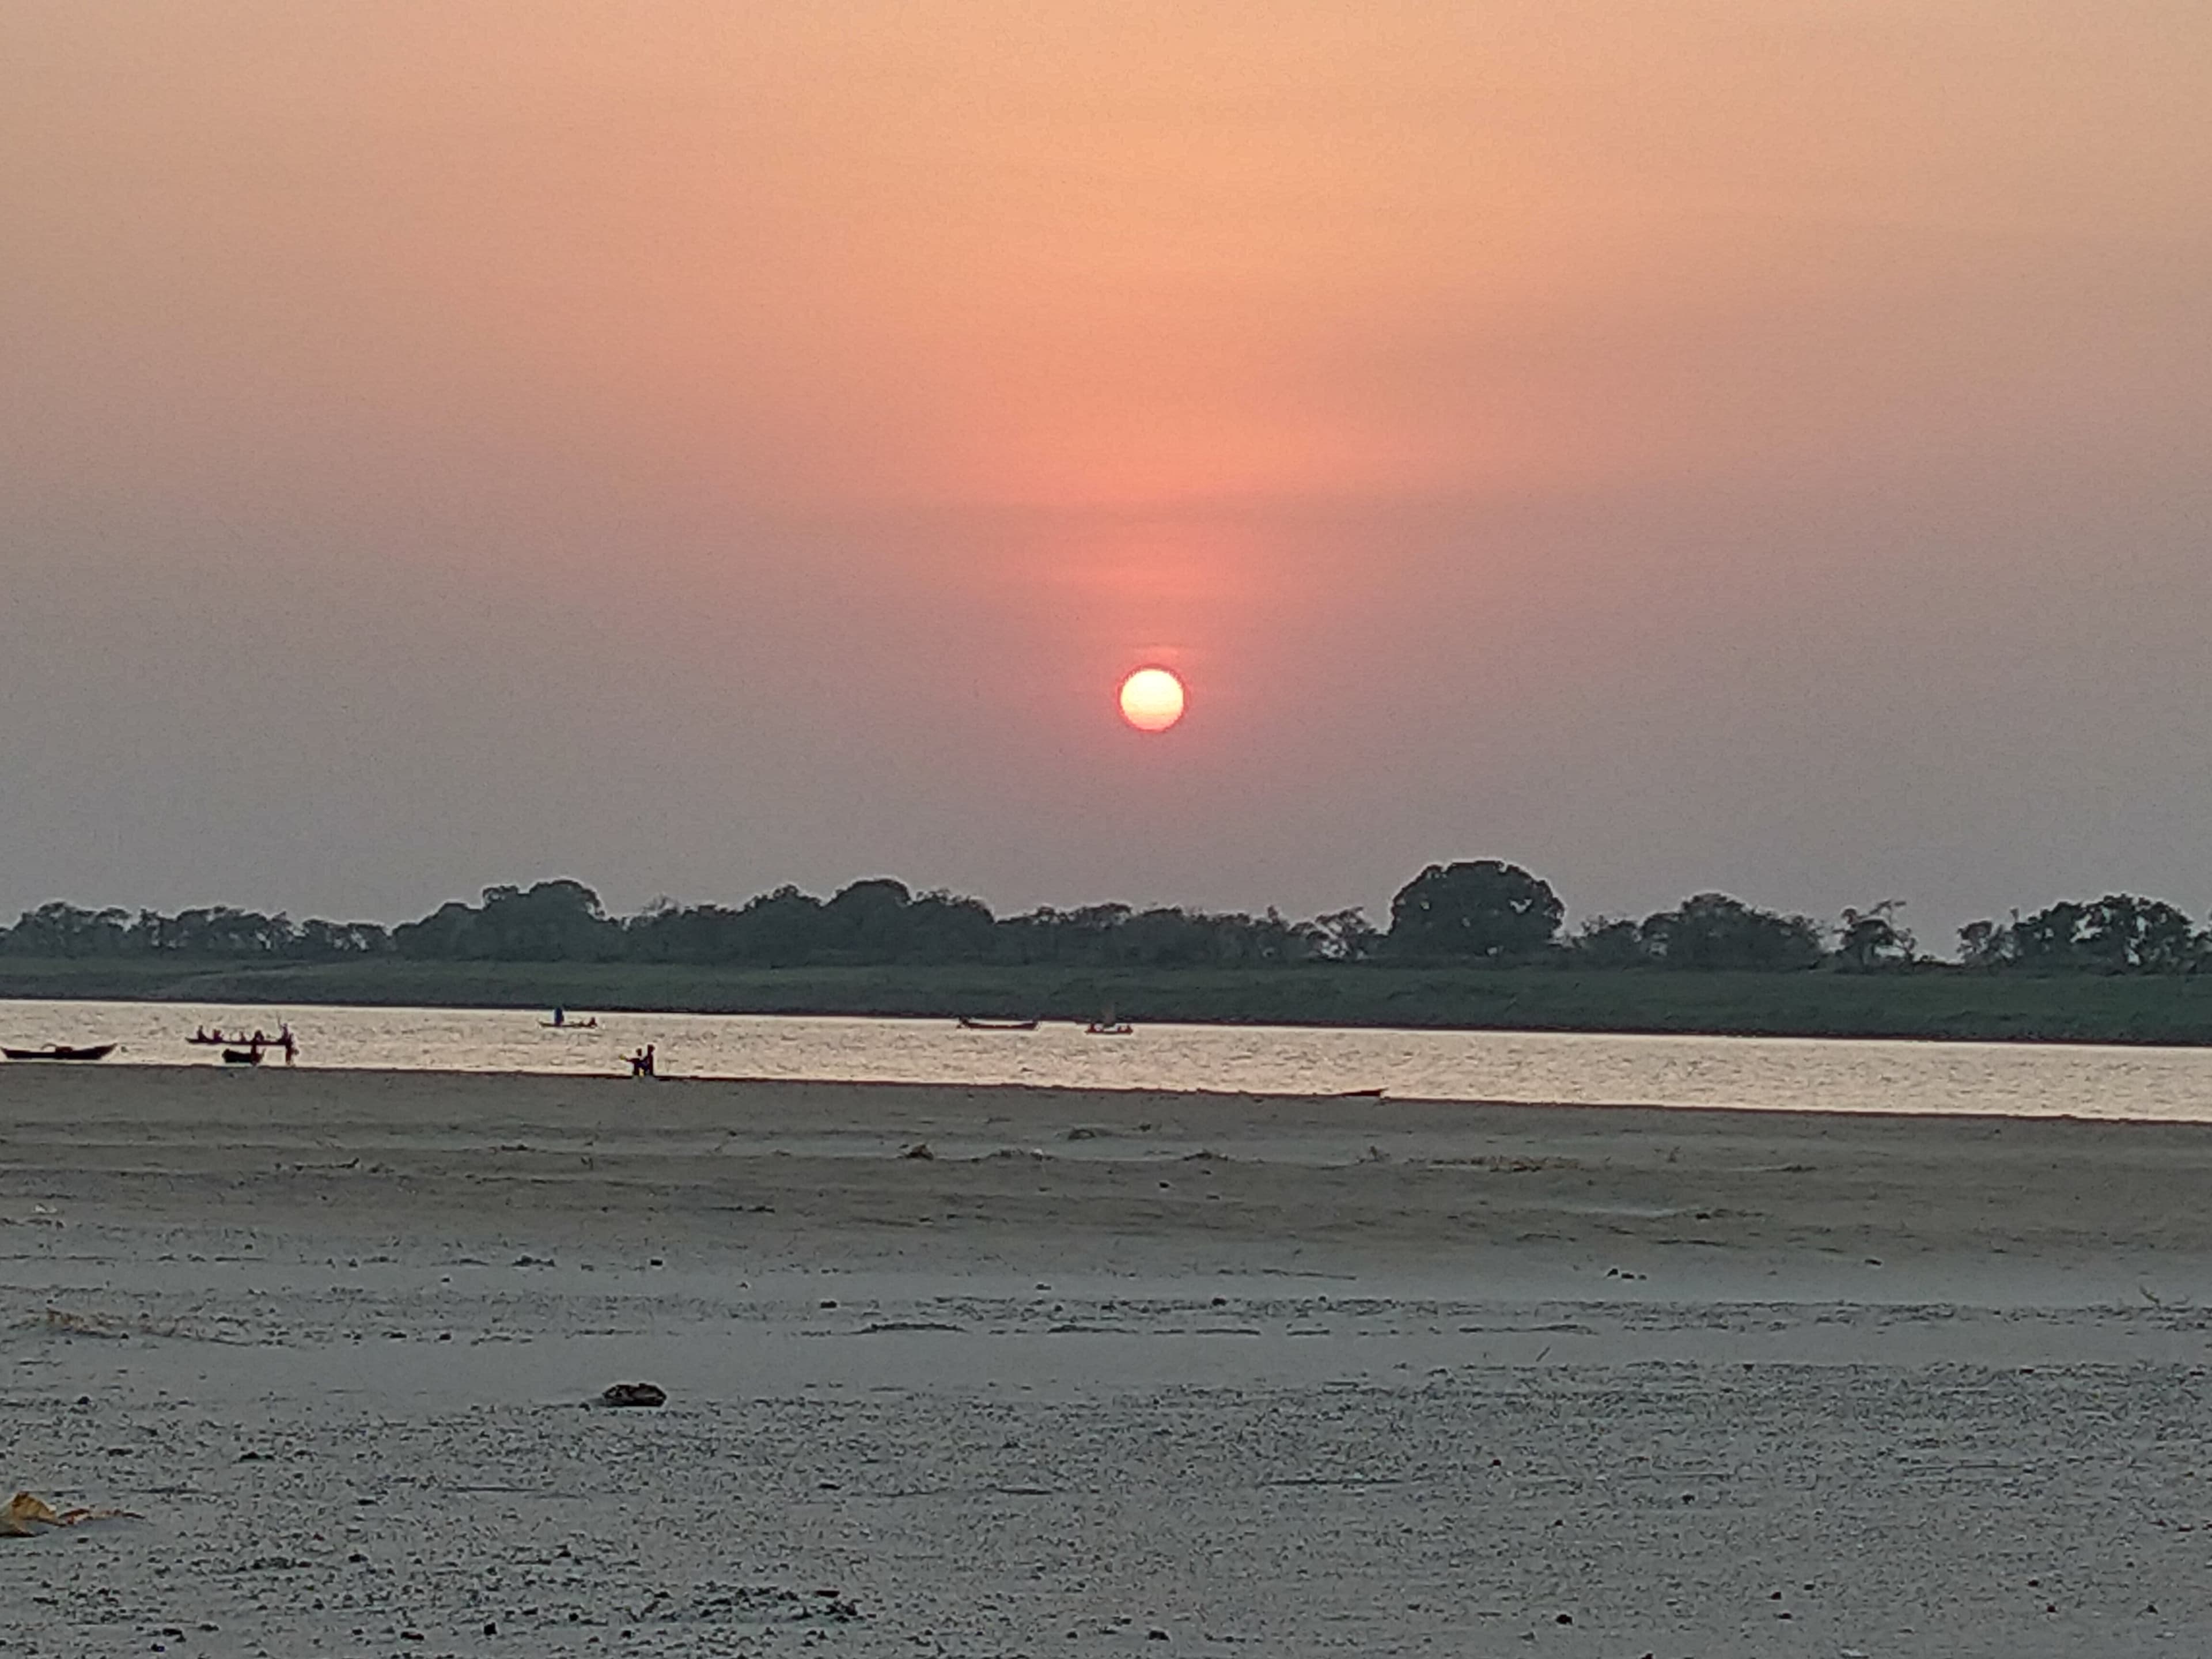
column 1109, row 1028
column 61, row 1051
column 241, row 1056
column 591, row 1024
column 968, row 1024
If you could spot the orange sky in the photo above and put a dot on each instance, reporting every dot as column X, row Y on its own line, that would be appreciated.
column 816, row 408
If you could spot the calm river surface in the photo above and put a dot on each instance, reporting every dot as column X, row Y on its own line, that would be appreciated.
column 1778, row 1074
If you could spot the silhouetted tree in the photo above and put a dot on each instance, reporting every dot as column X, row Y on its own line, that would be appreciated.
column 559, row 921
column 1608, row 942
column 221, row 930
column 866, row 921
column 2118, row 933
column 672, row 932
column 2123, row 933
column 1346, row 935
column 2051, row 938
column 1986, row 943
column 1164, row 936
column 60, row 929
column 441, row 936
column 1481, row 910
column 1046, row 935
column 1713, row 930
column 1484, row 908
column 317, row 938
column 942, row 926
column 1872, row 938
column 781, row 929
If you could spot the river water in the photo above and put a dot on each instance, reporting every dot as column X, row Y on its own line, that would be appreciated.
column 1781, row 1075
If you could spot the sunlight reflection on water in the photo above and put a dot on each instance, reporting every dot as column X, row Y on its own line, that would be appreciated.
column 1766, row 1073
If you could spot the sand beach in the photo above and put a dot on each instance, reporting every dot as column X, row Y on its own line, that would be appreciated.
column 996, row 1371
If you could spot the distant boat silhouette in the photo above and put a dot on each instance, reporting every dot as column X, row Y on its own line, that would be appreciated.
column 241, row 1056
column 969, row 1024
column 61, row 1051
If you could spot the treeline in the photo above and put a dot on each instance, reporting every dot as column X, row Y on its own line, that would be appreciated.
column 1480, row 910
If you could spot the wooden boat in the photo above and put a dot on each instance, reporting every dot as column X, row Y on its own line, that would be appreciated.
column 1109, row 1028
column 60, row 1051
column 591, row 1024
column 241, row 1056
column 968, row 1024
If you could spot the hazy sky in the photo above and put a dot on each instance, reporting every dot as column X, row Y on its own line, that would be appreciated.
column 1760, row 444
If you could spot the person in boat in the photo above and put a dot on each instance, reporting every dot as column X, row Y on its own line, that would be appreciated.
column 288, row 1043
column 199, row 1033
column 259, row 1039
column 641, row 1062
column 560, row 1016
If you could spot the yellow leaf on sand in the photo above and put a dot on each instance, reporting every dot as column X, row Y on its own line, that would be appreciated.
column 26, row 1516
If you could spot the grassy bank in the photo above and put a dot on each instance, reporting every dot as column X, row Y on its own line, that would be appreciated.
column 1952, row 1005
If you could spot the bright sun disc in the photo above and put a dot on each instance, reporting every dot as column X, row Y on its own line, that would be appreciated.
column 1152, row 699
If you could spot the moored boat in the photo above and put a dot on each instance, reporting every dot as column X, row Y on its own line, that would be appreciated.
column 61, row 1051
column 241, row 1056
column 968, row 1024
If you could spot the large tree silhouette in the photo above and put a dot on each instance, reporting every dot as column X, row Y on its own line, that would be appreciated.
column 1482, row 909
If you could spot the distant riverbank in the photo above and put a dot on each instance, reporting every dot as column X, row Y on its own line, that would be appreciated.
column 1943, row 1004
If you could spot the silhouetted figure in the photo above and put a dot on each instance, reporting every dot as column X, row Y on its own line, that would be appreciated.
column 288, row 1043
column 640, row 1063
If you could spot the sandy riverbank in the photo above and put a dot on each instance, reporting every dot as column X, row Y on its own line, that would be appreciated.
column 1292, row 1377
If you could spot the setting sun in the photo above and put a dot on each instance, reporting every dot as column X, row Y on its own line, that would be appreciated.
column 1152, row 699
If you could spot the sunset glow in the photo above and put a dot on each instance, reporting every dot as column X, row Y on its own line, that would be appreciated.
column 1246, row 576
column 1707, row 437
column 1152, row 699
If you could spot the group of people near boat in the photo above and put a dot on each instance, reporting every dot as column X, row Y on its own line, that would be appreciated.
column 643, row 1063
column 257, row 1042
